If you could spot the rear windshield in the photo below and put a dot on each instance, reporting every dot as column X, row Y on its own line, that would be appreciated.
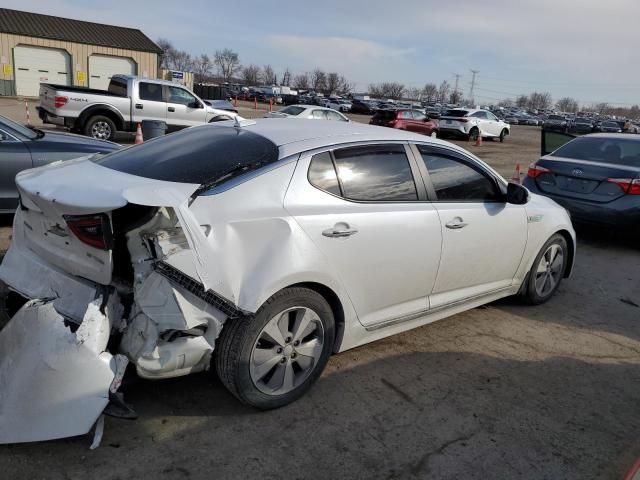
column 456, row 113
column 620, row 151
column 292, row 110
column 582, row 120
column 385, row 114
column 117, row 87
column 555, row 117
column 208, row 155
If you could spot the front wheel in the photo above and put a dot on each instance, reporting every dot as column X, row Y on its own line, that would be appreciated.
column 271, row 359
column 547, row 271
column 503, row 134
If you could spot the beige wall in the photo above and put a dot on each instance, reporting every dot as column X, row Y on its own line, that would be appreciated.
column 147, row 63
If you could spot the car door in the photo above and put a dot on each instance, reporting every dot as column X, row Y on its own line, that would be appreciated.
column 482, row 122
column 420, row 120
column 493, row 124
column 183, row 108
column 483, row 236
column 149, row 103
column 14, row 157
column 374, row 225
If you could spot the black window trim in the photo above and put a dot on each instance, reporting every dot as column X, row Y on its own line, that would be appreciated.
column 459, row 157
column 413, row 164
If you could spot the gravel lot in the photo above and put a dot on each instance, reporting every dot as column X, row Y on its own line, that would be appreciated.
column 503, row 391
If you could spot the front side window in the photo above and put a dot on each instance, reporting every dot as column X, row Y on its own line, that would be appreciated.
column 456, row 181
column 335, row 116
column 319, row 115
column 180, row 96
column 151, row 91
column 375, row 173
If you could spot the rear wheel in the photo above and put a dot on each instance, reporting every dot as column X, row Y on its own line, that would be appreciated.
column 473, row 134
column 273, row 358
column 547, row 271
column 100, row 127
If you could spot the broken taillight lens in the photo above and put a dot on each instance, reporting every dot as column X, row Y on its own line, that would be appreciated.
column 93, row 230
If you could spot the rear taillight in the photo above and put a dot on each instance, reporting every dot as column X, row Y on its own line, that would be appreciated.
column 93, row 230
column 536, row 170
column 60, row 101
column 462, row 120
column 630, row 186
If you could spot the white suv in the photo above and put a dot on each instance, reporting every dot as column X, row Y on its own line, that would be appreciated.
column 471, row 123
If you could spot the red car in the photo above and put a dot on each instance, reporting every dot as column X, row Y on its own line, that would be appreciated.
column 406, row 119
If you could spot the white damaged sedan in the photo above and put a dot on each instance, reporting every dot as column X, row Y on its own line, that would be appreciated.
column 257, row 249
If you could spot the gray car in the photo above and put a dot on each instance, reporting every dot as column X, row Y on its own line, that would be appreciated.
column 23, row 147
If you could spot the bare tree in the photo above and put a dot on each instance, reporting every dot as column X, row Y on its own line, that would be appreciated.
column 443, row 91
column 602, row 108
column 539, row 101
column 344, row 86
column 507, row 102
column 332, row 83
column 455, row 97
column 430, row 92
column 413, row 93
column 522, row 101
column 567, row 104
column 268, row 75
column 318, row 80
column 251, row 75
column 301, row 81
column 391, row 90
column 167, row 52
column 202, row 66
column 228, row 63
column 286, row 77
column 182, row 61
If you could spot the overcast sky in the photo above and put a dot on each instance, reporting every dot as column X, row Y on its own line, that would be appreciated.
column 587, row 49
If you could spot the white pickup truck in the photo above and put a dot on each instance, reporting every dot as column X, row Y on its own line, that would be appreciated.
column 127, row 101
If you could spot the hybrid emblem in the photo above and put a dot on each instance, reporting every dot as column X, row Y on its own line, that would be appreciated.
column 577, row 172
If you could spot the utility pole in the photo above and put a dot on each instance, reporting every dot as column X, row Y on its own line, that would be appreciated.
column 457, row 75
column 473, row 84
column 456, row 93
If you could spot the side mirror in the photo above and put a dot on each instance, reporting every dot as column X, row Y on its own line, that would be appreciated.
column 195, row 104
column 426, row 118
column 517, row 194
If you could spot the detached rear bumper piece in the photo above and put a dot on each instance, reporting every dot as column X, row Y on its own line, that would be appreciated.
column 55, row 383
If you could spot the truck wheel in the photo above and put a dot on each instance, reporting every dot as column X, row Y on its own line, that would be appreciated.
column 272, row 358
column 100, row 127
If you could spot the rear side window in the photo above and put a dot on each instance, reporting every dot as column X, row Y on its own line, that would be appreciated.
column 455, row 181
column 377, row 173
column 322, row 174
column 150, row 91
column 117, row 87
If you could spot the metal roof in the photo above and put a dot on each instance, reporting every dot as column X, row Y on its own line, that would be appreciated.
column 69, row 30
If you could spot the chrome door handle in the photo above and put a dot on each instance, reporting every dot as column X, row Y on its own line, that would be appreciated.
column 339, row 232
column 456, row 224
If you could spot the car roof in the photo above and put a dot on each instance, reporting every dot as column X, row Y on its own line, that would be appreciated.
column 616, row 136
column 294, row 135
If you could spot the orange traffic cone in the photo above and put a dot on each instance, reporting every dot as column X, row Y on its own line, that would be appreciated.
column 270, row 105
column 139, row 138
column 255, row 103
column 516, row 175
column 478, row 140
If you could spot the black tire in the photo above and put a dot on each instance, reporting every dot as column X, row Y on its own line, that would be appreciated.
column 473, row 134
column 100, row 127
column 503, row 134
column 530, row 293
column 236, row 343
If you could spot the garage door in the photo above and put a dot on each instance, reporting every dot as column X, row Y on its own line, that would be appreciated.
column 38, row 64
column 102, row 67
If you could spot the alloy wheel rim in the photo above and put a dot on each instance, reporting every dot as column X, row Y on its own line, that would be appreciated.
column 286, row 351
column 549, row 269
column 101, row 130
